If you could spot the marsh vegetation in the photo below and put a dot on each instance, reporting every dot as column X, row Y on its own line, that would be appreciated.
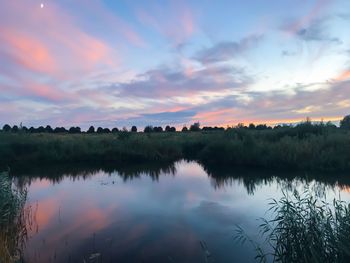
column 13, row 220
column 303, row 228
column 306, row 146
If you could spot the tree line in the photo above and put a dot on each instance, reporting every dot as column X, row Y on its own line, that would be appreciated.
column 306, row 126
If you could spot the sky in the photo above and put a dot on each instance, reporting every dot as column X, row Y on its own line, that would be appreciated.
column 156, row 62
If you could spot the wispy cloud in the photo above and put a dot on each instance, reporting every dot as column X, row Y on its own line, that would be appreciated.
column 228, row 50
column 112, row 63
column 175, row 21
column 316, row 31
column 166, row 82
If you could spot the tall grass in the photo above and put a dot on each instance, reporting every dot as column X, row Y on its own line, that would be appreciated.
column 290, row 149
column 13, row 229
column 305, row 229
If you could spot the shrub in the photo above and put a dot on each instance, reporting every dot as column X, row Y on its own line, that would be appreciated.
column 345, row 123
column 195, row 127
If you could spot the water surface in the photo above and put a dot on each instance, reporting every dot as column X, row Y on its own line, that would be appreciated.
column 153, row 214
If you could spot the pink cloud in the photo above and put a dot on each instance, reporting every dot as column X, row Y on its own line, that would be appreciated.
column 49, row 41
column 28, row 51
column 343, row 76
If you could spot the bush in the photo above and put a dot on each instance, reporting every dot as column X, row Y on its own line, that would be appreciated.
column 345, row 123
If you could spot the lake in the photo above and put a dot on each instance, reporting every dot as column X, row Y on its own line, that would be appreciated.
column 170, row 213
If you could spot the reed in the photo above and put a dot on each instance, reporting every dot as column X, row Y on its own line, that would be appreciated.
column 304, row 228
column 303, row 148
column 13, row 228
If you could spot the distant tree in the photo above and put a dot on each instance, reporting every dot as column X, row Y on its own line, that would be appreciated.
column 99, row 130
column 115, row 130
column 158, row 129
column 195, row 127
column 345, row 122
column 31, row 129
column 167, row 128
column 91, row 129
column 6, row 128
column 74, row 130
column 172, row 129
column 184, row 129
column 148, row 129
column 15, row 128
column 24, row 129
column 134, row 129
column 106, row 130
column 251, row 126
column 48, row 129
column 240, row 126
column 63, row 130
column 261, row 127
column 331, row 125
column 40, row 129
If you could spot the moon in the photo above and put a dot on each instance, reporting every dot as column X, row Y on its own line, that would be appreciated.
column 41, row 5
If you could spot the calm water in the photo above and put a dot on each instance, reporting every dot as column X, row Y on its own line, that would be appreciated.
column 150, row 214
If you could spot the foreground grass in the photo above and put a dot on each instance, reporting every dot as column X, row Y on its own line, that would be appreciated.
column 12, row 220
column 326, row 150
column 304, row 229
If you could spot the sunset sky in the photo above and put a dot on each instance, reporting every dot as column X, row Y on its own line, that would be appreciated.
column 144, row 62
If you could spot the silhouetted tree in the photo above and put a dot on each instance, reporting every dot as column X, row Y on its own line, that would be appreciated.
column 74, row 130
column 241, row 126
column 167, row 128
column 6, row 128
column 41, row 129
column 31, row 129
column 251, row 126
column 195, row 127
column 172, row 129
column 106, row 130
column 158, row 129
column 184, row 129
column 91, row 129
column 331, row 125
column 99, row 130
column 208, row 128
column 148, row 129
column 345, row 123
column 48, row 129
column 15, row 128
column 134, row 129
column 115, row 130
column 261, row 127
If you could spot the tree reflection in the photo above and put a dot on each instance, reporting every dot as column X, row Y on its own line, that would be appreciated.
column 221, row 176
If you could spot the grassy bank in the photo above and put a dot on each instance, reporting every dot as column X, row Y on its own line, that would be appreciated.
column 315, row 148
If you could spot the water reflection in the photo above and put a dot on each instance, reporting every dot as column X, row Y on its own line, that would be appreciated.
column 220, row 177
column 149, row 213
